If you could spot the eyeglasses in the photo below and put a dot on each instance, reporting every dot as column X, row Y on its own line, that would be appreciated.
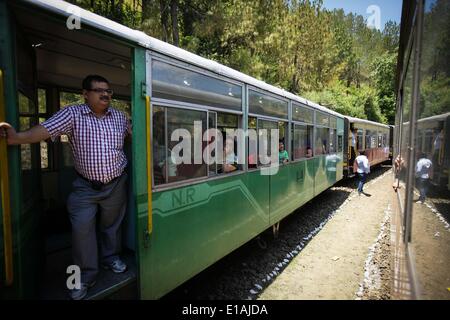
column 99, row 90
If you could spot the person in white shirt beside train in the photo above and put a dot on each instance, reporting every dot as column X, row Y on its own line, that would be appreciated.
column 423, row 175
column 363, row 170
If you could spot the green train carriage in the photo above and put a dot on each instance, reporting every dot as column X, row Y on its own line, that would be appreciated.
column 179, row 221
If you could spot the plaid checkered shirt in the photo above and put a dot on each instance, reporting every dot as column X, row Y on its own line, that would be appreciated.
column 96, row 143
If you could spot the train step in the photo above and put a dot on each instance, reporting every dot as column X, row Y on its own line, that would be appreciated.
column 109, row 285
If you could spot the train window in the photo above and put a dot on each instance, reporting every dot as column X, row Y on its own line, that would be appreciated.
column 359, row 140
column 212, row 123
column 42, row 101
column 283, row 138
column 184, row 120
column 252, row 143
column 302, row 114
column 44, row 150
column 266, row 143
column 371, row 139
column 333, row 139
column 267, row 105
column 166, row 121
column 176, row 83
column 25, row 149
column 322, row 141
column 27, row 119
column 160, row 153
column 333, row 122
column 26, row 105
column 42, row 108
column 302, row 142
column 69, row 98
column 122, row 105
column 340, row 143
column 322, row 119
column 228, row 122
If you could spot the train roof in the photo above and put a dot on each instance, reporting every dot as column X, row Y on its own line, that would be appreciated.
column 140, row 38
column 437, row 117
column 352, row 119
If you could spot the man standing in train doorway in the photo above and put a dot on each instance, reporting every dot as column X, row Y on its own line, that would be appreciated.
column 363, row 170
column 96, row 134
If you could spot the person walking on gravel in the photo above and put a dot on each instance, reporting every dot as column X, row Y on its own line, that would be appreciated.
column 363, row 170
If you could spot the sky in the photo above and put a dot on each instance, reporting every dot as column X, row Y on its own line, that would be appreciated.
column 388, row 9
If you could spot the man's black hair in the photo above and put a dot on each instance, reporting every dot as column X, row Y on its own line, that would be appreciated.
column 362, row 153
column 87, row 82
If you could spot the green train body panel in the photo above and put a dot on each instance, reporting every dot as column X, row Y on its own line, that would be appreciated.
column 196, row 225
column 290, row 188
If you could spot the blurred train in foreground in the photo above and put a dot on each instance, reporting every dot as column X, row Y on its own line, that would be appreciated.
column 420, row 238
column 180, row 218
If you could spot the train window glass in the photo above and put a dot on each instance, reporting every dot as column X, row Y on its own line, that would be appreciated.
column 176, row 83
column 212, row 124
column 25, row 149
column 333, row 122
column 160, row 151
column 368, row 135
column 333, row 138
column 371, row 139
column 44, row 150
column 69, row 98
column 122, row 105
column 282, row 137
column 322, row 119
column 42, row 101
column 26, row 105
column 322, row 141
column 228, row 122
column 252, row 143
column 42, row 108
column 267, row 105
column 302, row 145
column 282, row 133
column 184, row 120
column 300, row 113
column 340, row 143
column 359, row 140
column 266, row 138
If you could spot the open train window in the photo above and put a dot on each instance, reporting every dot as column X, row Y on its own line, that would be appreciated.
column 252, row 143
column 265, row 128
column 359, row 140
column 176, row 157
column 302, row 141
column 322, row 144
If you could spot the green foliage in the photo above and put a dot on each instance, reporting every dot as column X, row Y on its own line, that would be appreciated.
column 329, row 56
column 360, row 102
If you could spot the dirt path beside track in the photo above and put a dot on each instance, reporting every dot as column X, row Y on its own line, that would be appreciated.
column 349, row 257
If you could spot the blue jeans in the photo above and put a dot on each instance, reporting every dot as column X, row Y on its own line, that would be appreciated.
column 422, row 185
column 361, row 181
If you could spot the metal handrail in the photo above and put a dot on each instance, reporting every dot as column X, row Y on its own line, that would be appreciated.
column 149, row 164
column 4, row 188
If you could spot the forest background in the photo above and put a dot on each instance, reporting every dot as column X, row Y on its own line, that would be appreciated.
column 329, row 57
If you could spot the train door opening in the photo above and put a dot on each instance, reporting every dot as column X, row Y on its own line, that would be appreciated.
column 51, row 63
